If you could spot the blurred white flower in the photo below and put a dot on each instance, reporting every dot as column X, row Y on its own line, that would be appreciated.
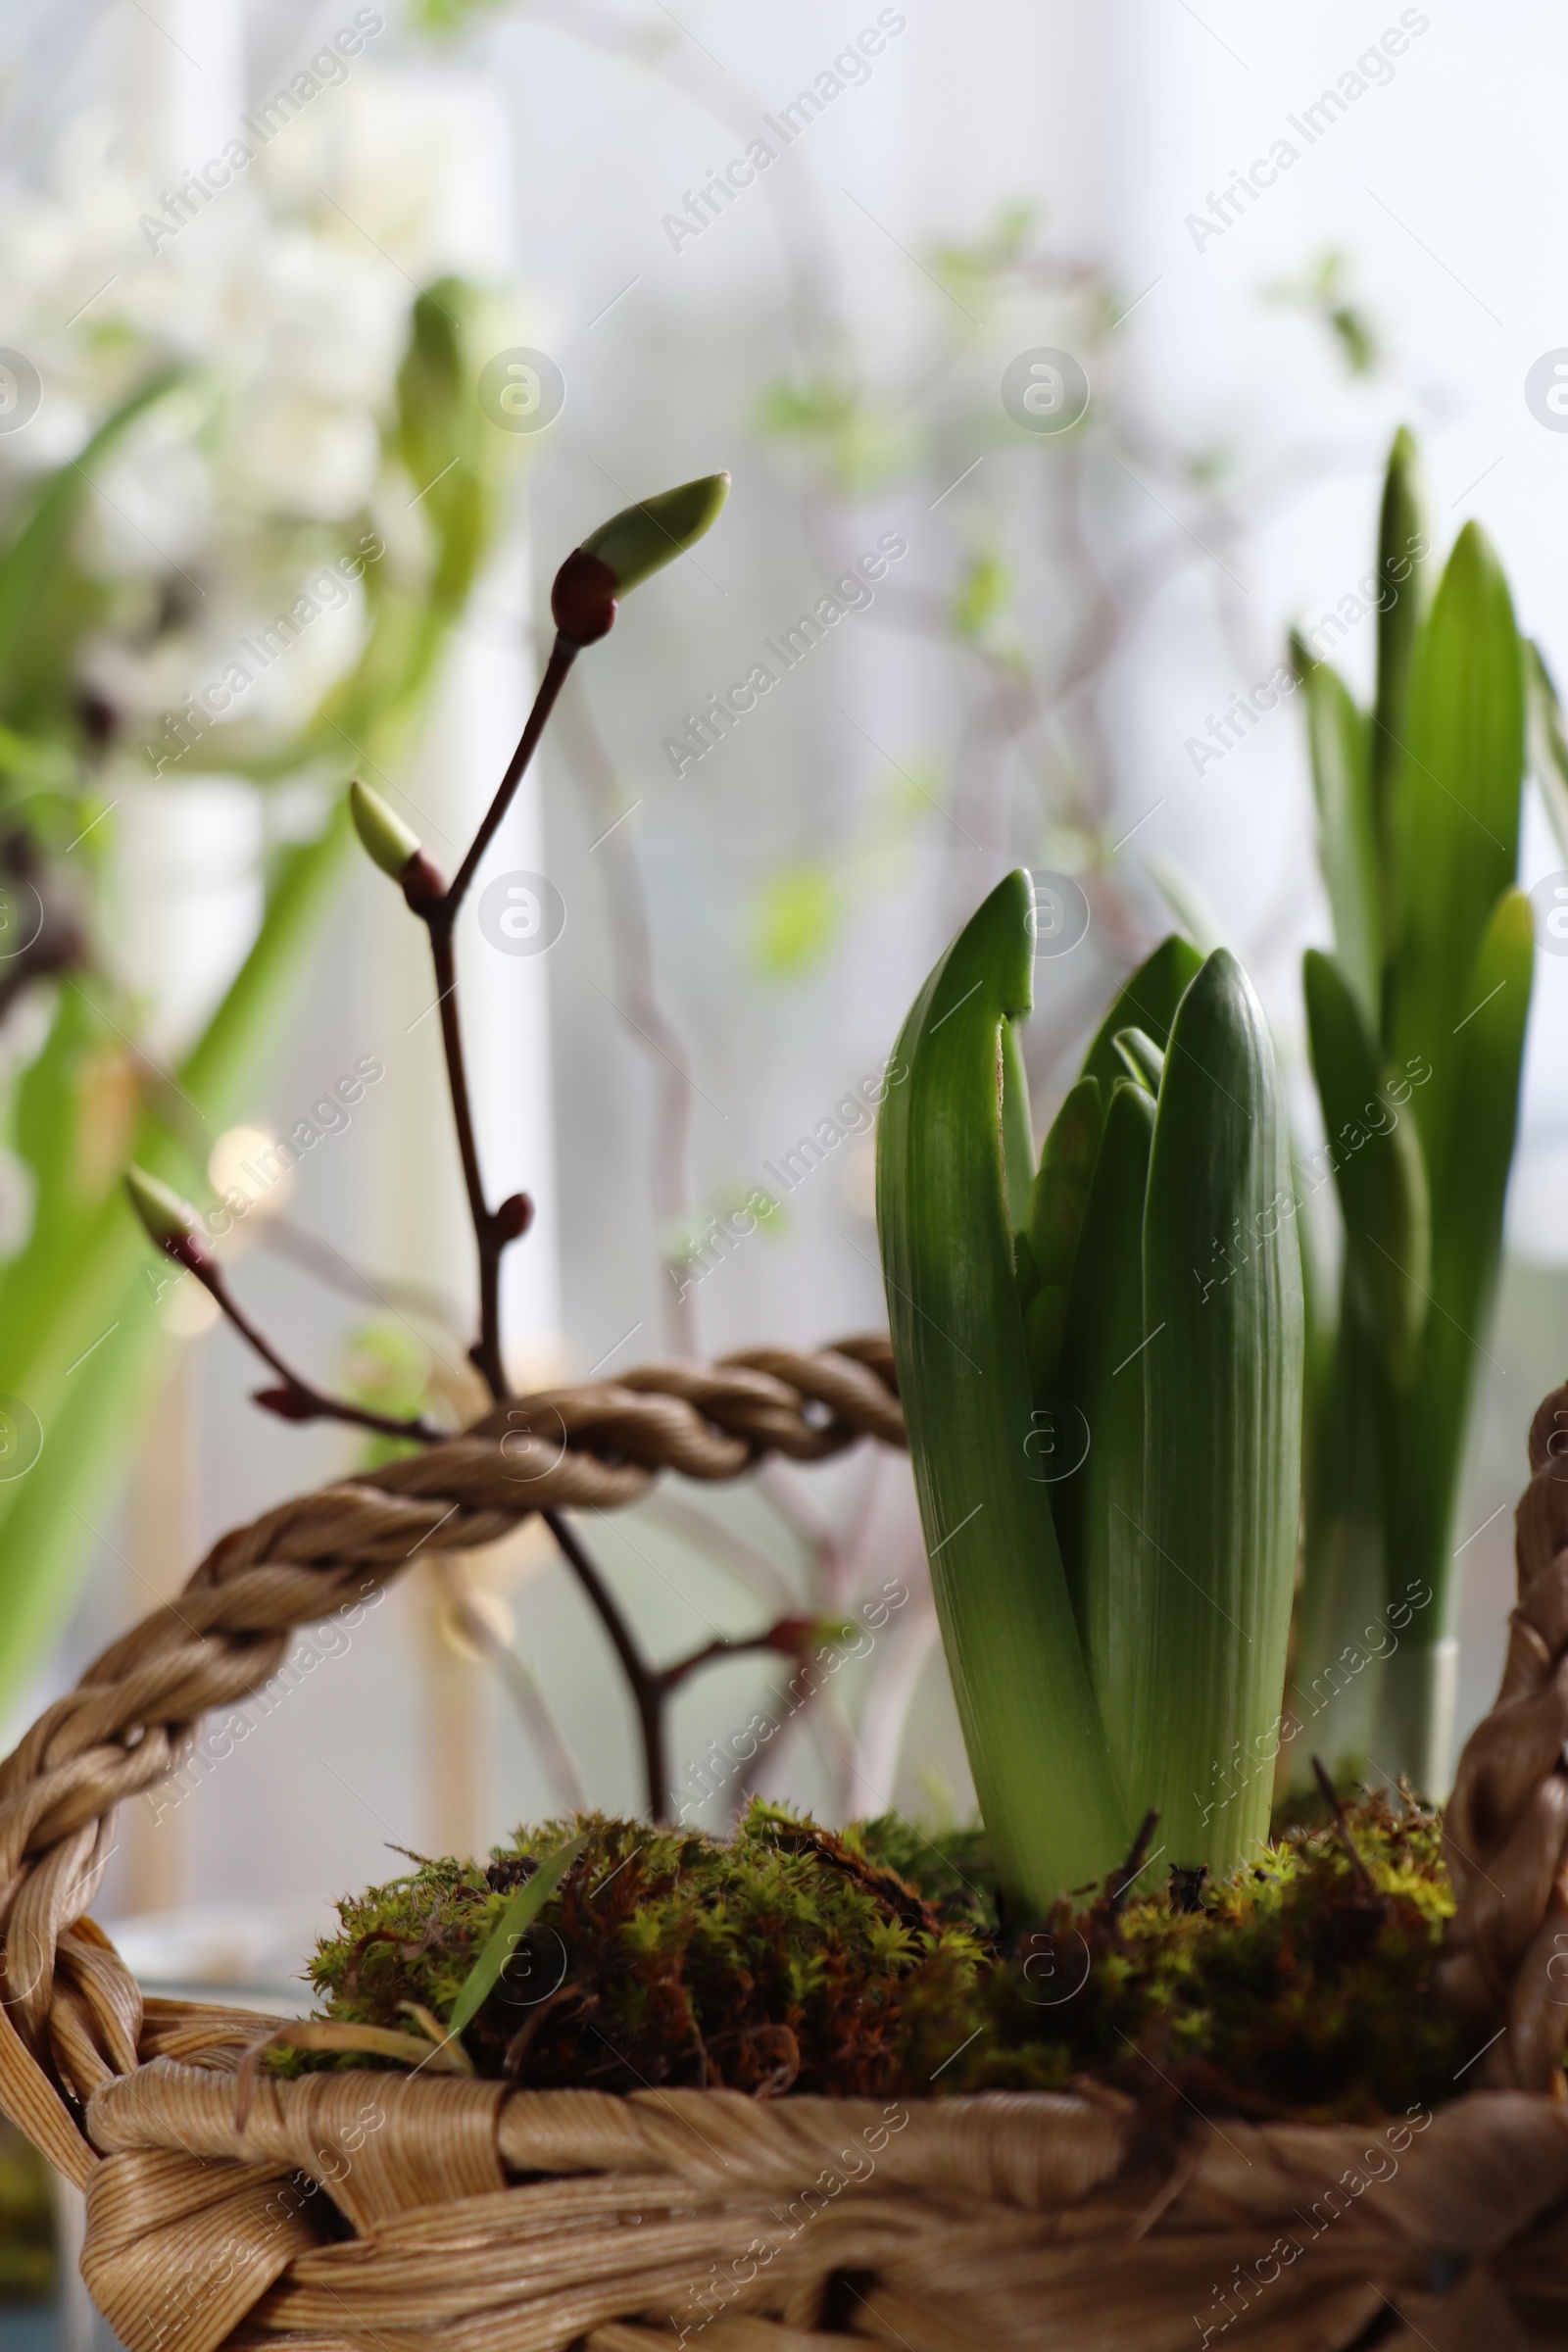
column 153, row 507
column 24, row 1030
column 290, row 454
column 287, row 299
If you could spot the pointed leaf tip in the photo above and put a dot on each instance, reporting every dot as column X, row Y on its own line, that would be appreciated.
column 386, row 839
column 1474, row 552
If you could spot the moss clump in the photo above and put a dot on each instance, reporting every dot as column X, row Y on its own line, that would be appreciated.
column 783, row 1959
column 1302, row 1985
column 873, row 1963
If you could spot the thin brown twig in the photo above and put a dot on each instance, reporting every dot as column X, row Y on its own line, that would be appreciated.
column 780, row 1638
column 648, row 1695
column 562, row 652
column 297, row 1399
column 438, row 906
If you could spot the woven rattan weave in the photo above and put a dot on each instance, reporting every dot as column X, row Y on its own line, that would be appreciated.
column 345, row 2212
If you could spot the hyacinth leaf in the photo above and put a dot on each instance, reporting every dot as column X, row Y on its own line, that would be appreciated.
column 1102, row 1373
column 1456, row 817
column 1340, row 747
column 1221, row 1361
column 1044, row 1319
column 1403, row 551
column 1341, row 1634
column 1378, row 1170
column 1427, row 1454
column 1035, row 1741
column 1147, row 1002
column 1054, row 1212
column 1017, row 1129
column 1471, row 1186
column 1391, row 1386
column 1141, row 1058
column 1058, row 1192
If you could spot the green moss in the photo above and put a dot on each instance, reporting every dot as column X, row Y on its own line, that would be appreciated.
column 783, row 1959
column 873, row 1962
column 1304, row 1985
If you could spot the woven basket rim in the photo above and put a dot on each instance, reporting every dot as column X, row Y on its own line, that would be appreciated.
column 994, row 2213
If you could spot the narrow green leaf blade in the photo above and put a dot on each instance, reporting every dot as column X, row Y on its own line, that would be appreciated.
column 1428, row 1427
column 1034, row 1736
column 1403, row 553
column 1055, row 1210
column 1066, row 1164
column 1017, row 1127
column 513, row 1923
column 1147, row 1001
column 1343, row 1634
column 1141, row 1058
column 1337, row 739
column 1098, row 1510
column 1378, row 1170
column 1222, row 1424
column 1457, row 814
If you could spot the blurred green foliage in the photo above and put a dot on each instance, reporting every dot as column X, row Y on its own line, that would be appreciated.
column 795, row 916
column 1323, row 291
column 81, row 1339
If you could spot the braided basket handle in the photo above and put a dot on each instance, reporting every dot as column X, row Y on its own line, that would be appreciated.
column 1505, row 1834
column 71, row 2019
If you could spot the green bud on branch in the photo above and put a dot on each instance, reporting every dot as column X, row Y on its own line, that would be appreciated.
column 386, row 839
column 171, row 1222
column 624, row 551
column 640, row 540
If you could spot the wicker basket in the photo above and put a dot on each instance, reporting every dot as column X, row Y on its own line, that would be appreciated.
column 387, row 2210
